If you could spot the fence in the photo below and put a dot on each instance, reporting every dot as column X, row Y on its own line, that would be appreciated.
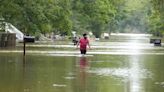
column 7, row 39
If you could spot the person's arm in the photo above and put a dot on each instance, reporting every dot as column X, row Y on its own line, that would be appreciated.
column 89, row 45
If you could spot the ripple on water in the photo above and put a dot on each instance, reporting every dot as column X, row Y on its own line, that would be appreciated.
column 121, row 72
column 159, row 83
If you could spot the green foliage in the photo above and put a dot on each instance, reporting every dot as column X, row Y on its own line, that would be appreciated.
column 156, row 25
column 63, row 16
column 38, row 15
column 93, row 15
column 156, row 22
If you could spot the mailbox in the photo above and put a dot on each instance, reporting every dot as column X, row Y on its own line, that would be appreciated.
column 157, row 42
column 29, row 39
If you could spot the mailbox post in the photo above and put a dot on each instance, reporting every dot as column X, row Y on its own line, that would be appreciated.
column 24, row 46
column 27, row 39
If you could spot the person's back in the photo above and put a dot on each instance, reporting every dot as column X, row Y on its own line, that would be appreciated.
column 83, row 44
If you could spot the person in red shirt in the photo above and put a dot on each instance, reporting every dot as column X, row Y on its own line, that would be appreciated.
column 83, row 44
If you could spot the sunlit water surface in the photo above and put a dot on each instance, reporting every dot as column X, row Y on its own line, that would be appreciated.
column 125, row 63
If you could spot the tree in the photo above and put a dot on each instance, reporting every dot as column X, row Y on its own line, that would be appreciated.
column 156, row 17
column 93, row 15
column 38, row 15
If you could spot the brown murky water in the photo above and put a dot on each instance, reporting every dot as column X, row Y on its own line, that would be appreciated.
column 125, row 63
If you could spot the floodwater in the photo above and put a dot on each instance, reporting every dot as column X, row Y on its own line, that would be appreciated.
column 124, row 63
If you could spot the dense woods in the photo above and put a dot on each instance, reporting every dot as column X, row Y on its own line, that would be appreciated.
column 64, row 16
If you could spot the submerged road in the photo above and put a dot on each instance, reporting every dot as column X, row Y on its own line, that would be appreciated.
column 124, row 63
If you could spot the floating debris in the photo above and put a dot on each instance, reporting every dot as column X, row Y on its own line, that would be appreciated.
column 157, row 83
column 59, row 85
column 162, row 83
column 69, row 78
column 26, row 90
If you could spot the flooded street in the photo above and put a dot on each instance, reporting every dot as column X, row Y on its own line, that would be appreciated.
column 124, row 63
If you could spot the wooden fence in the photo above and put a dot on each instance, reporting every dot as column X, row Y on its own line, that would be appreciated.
column 7, row 39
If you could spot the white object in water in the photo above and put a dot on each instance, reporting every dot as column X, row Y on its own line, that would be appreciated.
column 59, row 85
column 97, row 39
column 106, row 35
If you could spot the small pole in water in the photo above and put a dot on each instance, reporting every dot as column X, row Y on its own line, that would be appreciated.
column 24, row 51
column 24, row 46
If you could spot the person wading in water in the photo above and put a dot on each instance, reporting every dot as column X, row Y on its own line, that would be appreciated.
column 83, row 42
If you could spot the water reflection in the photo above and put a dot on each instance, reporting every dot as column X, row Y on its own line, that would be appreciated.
column 83, row 67
column 134, row 77
column 83, row 63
